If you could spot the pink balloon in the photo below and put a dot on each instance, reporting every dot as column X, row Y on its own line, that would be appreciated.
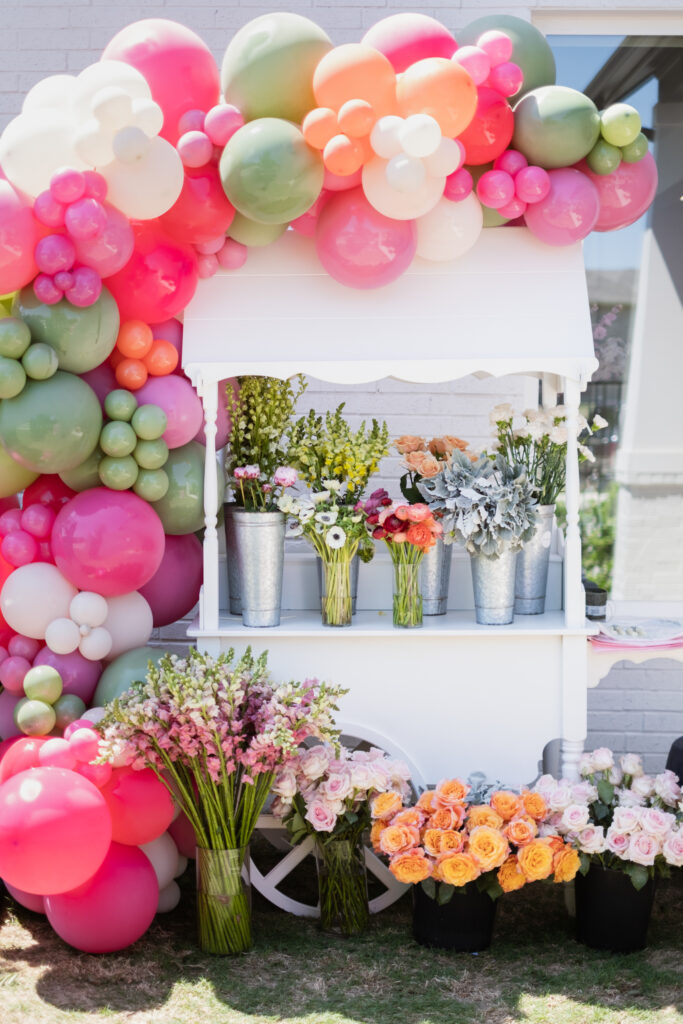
column 113, row 909
column 360, row 247
column 38, row 520
column 10, row 520
column 109, row 251
column 177, row 65
column 95, row 185
column 171, row 330
column 475, row 61
column 19, row 548
column 495, row 189
column 506, row 78
column 532, row 184
column 511, row 161
column 20, row 754
column 86, row 288
column 194, row 149
column 19, row 232
column 202, row 212
column 101, row 380
column 210, row 248
column 55, row 830
column 107, row 541
column 27, row 899
column 46, row 290
column 67, row 185
column 78, row 723
column 84, row 744
column 625, row 194
column 458, row 185
column 12, row 672
column 207, row 266
column 141, row 807
column 223, row 418
column 48, row 211
column 497, row 45
column 406, row 38
column 57, row 753
column 232, row 255
column 182, row 405
column 514, row 209
column 174, row 589
column 98, row 774
column 191, row 121
column 569, row 211
column 306, row 224
column 342, row 182
column 23, row 647
column 183, row 835
column 63, row 279
column 221, row 123
column 55, row 252
column 85, row 219
column 8, row 702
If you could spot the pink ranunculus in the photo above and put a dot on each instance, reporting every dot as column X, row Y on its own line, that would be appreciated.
column 285, row 476
column 643, row 786
column 337, row 786
column 418, row 513
column 672, row 848
column 575, row 817
column 617, row 842
column 314, row 763
column 656, row 823
column 285, row 784
column 631, row 764
column 321, row 816
column 626, row 819
column 561, row 797
column 667, row 787
column 591, row 839
column 643, row 848
column 603, row 759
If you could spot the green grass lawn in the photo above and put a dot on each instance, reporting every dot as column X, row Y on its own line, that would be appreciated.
column 534, row 973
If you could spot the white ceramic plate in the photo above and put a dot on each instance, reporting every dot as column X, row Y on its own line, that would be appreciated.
column 642, row 631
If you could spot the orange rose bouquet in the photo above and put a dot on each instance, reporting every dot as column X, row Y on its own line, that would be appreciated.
column 409, row 531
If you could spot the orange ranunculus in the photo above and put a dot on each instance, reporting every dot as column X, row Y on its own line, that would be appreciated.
column 566, row 863
column 456, row 868
column 536, row 860
column 507, row 804
column 488, row 846
column 426, row 801
column 397, row 838
column 401, row 512
column 447, row 817
column 510, row 877
column 450, row 792
column 482, row 814
column 421, row 536
column 410, row 867
column 409, row 443
column 410, row 816
column 431, row 840
column 534, row 804
column 520, row 831
column 375, row 832
column 386, row 805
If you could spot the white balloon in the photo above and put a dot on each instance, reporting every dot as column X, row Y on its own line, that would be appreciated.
column 162, row 854
column 129, row 621
column 95, row 644
column 130, row 145
column 53, row 93
column 62, row 636
column 405, row 173
column 33, row 596
column 94, row 715
column 420, row 135
column 446, row 160
column 102, row 75
column 450, row 229
column 182, row 864
column 169, row 898
column 89, row 609
column 384, row 137
column 391, row 202
column 92, row 144
column 147, row 115
column 112, row 107
column 35, row 145
column 149, row 187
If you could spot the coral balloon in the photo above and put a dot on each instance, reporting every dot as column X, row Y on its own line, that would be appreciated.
column 489, row 133
column 19, row 232
column 407, row 38
column 570, row 210
column 161, row 359
column 625, row 194
column 159, row 279
column 354, row 71
column 202, row 212
column 174, row 589
column 183, row 407
column 134, row 339
column 79, row 674
column 343, row 156
column 440, row 88
column 141, row 807
column 131, row 374
column 33, row 596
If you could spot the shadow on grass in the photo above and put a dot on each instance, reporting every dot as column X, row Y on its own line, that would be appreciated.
column 535, row 971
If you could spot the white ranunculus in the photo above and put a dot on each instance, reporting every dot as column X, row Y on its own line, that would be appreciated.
column 631, row 765
column 643, row 786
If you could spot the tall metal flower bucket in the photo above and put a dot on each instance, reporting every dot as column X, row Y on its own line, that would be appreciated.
column 260, row 549
column 493, row 582
column 435, row 578
column 234, row 586
column 532, row 565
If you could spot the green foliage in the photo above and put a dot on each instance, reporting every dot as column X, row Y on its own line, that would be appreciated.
column 597, row 522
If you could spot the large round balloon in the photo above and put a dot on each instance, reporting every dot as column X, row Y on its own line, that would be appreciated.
column 13, row 477
column 82, row 337
column 395, row 203
column 35, row 145
column 360, row 247
column 625, row 194
column 529, row 47
column 569, row 211
column 55, row 830
column 112, row 909
column 108, row 541
column 19, row 233
column 268, row 66
column 79, row 675
column 20, row 755
column 183, row 407
column 269, row 172
column 140, row 805
column 252, row 233
column 174, row 589
column 355, row 71
column 202, row 212
column 450, row 229
column 33, row 596
column 129, row 622
column 176, row 64
column 181, row 510
column 53, row 425
column 110, row 250
column 555, row 126
column 159, row 279
column 407, row 38
column 125, row 670
column 440, row 88
column 48, row 490
column 490, row 130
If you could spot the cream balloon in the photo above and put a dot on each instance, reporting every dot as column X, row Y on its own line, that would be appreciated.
column 150, row 186
column 103, row 75
column 130, row 144
column 94, row 715
column 130, row 622
column 162, row 853
column 169, row 898
column 33, row 596
column 147, row 115
column 112, row 107
column 93, row 145
column 53, row 93
column 446, row 160
column 405, row 173
column 391, row 202
column 63, row 636
column 35, row 145
column 89, row 609
column 420, row 135
column 96, row 644
column 449, row 229
column 384, row 137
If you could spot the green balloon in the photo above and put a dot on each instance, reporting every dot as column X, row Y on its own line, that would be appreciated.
column 68, row 709
column 43, row 682
column 82, row 337
column 13, row 477
column 12, row 378
column 118, row 439
column 181, row 510
column 529, row 47
column 492, row 219
column 53, row 425
column 85, row 476
column 15, row 337
column 40, row 361
column 253, row 234
column 119, row 474
column 603, row 158
column 149, row 422
column 269, row 172
column 123, row 671
column 635, row 150
column 120, row 404
column 555, row 126
column 151, row 454
column 620, row 124
column 268, row 66
column 151, row 484
column 34, row 717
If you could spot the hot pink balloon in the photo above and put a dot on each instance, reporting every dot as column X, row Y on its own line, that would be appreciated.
column 8, row 702
column 113, row 909
column 176, row 63
column 85, row 219
column 86, row 288
column 110, row 542
column 182, row 405
column 141, row 807
column 360, row 247
column 202, row 212
column 191, row 121
column 511, row 161
column 27, row 899
column 56, row 753
column 625, row 194
column 46, row 290
column 38, row 520
column 458, row 185
column 306, row 224
column 48, row 210
column 495, row 189
column 207, row 266
column 54, row 253
column 497, row 45
column 514, row 209
column 223, row 417
column 68, row 185
column 19, row 232
column 110, row 250
column 221, row 123
column 506, row 78
column 406, row 38
column 532, row 184
column 19, row 548
column 101, row 380
column 174, row 589
column 475, row 61
column 10, row 520
column 95, row 185
column 569, row 211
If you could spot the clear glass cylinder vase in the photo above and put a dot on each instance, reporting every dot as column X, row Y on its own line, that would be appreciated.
column 223, row 900
column 407, row 594
column 336, row 599
column 342, row 886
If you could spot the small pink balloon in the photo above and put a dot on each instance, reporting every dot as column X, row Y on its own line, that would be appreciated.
column 86, row 218
column 53, row 253
column 340, row 182
column 207, row 266
column 67, row 185
column 511, row 161
column 46, row 290
column 86, row 289
column 19, row 548
column 458, row 185
column 45, row 552
column 57, row 753
column 306, row 224
column 495, row 189
column 95, row 185
column 406, row 38
column 221, row 123
column 569, row 211
column 38, row 520
column 63, row 279
column 10, row 521
column 506, row 78
column 512, row 210
column 532, row 184
column 84, row 744
column 194, row 149
column 79, row 675
column 78, row 724
column 8, row 702
column 98, row 774
column 30, row 900
column 48, row 211
column 12, row 672
column 23, row 647
column 497, row 45
column 475, row 61
column 4, row 654
column 233, row 255
column 109, row 251
column 212, row 247
column 171, row 330
column 180, row 402
column 191, row 121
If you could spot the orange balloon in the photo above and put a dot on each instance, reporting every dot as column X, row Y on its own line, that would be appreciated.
column 440, row 88
column 131, row 374
column 355, row 72
column 343, row 156
column 115, row 358
column 161, row 359
column 135, row 339
column 356, row 118
column 319, row 126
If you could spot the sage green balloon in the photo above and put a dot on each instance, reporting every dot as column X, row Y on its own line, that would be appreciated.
column 181, row 510
column 530, row 48
column 253, row 234
column 120, row 404
column 34, row 717
column 43, row 682
column 123, row 671
column 635, row 150
column 269, row 172
column 118, row 439
column 82, row 337
column 15, row 337
column 555, row 126
column 53, row 425
column 85, row 476
column 12, row 377
column 268, row 66
column 149, row 422
column 151, row 484
column 68, row 709
column 151, row 454
column 119, row 474
column 620, row 124
column 40, row 361
column 13, row 477
column 603, row 158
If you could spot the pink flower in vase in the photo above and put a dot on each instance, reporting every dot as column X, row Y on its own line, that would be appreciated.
column 285, row 476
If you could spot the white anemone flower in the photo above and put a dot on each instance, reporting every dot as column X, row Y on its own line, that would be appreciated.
column 305, row 513
column 319, row 496
column 335, row 537
column 293, row 529
column 332, row 485
column 286, row 504
column 328, row 518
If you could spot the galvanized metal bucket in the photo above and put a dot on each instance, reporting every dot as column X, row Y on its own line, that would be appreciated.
column 493, row 582
column 260, row 550
column 234, row 587
column 532, row 565
column 435, row 578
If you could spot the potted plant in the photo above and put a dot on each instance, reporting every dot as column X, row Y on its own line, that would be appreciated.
column 626, row 826
column 489, row 506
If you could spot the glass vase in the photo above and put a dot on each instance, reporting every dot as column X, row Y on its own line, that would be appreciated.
column 342, row 886
column 223, row 900
column 407, row 594
column 336, row 600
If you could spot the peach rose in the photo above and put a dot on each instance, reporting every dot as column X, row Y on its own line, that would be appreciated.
column 536, row 860
column 431, row 840
column 488, row 847
column 482, row 814
column 451, row 841
column 520, row 831
column 534, row 804
column 410, row 867
column 447, row 817
column 566, row 863
column 398, row 838
column 375, row 832
column 510, row 876
column 409, row 443
column 450, row 792
column 446, row 444
column 456, row 868
column 422, row 463
column 507, row 804
column 426, row 801
column 386, row 805
column 412, row 816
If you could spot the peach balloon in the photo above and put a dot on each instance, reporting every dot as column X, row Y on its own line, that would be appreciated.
column 356, row 118
column 319, row 126
column 343, row 156
column 440, row 88
column 354, row 71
